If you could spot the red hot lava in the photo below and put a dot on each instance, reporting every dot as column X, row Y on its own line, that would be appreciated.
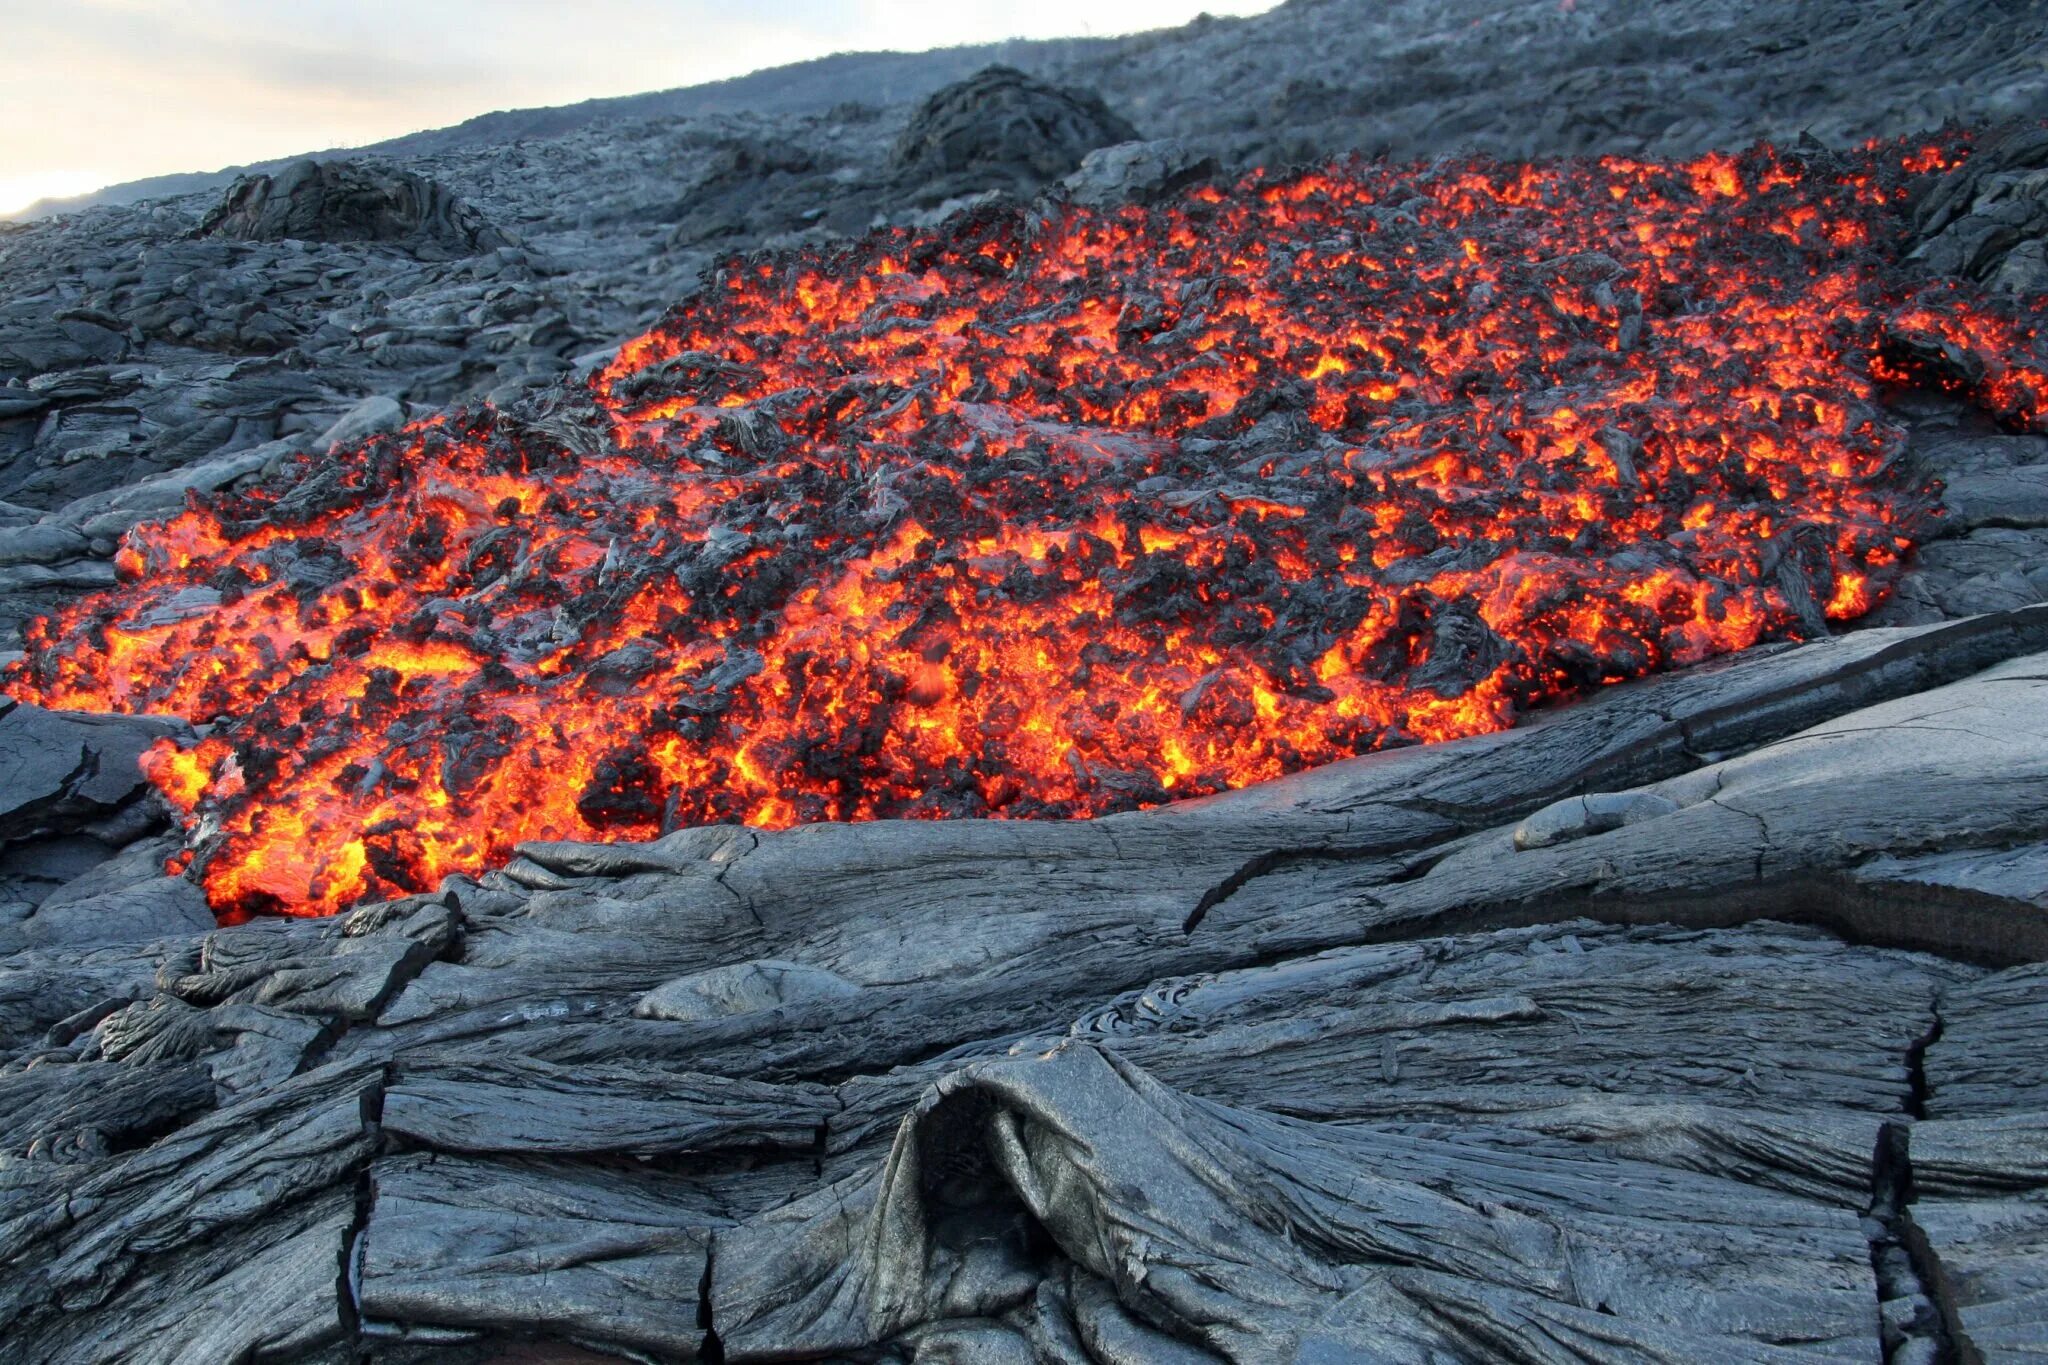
column 1056, row 514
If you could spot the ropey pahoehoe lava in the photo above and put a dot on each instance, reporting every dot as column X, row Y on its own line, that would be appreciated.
column 1053, row 511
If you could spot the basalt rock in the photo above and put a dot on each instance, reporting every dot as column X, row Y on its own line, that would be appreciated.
column 1595, row 813
column 1002, row 129
column 60, row 770
column 347, row 201
column 1070, row 1192
column 1136, row 172
column 1989, row 221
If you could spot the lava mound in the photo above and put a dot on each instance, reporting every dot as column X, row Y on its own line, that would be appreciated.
column 1058, row 512
column 1002, row 129
column 344, row 201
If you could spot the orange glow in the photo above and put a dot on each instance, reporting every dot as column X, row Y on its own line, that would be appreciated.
column 1041, row 517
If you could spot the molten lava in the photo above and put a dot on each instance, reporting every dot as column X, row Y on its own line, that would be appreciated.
column 1056, row 513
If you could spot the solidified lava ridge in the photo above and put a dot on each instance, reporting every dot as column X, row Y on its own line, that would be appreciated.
column 1057, row 511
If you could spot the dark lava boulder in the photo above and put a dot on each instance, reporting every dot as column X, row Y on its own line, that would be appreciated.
column 345, row 201
column 1002, row 129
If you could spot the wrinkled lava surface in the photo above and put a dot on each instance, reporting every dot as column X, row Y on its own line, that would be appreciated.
column 1056, row 512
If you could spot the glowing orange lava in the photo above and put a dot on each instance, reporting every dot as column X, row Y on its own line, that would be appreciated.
column 1055, row 514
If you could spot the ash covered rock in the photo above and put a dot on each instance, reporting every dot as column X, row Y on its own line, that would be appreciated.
column 741, row 988
column 347, row 201
column 372, row 416
column 1002, row 129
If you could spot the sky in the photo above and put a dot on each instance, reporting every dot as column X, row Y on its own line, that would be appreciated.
column 95, row 92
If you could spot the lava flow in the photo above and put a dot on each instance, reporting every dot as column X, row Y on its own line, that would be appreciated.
column 1056, row 512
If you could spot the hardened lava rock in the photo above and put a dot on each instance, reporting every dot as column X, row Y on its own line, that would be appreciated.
column 1003, row 129
column 346, row 201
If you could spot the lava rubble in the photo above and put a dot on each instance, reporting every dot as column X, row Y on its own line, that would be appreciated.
column 1059, row 511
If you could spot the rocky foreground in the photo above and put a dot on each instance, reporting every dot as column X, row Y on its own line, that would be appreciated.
column 1699, row 1021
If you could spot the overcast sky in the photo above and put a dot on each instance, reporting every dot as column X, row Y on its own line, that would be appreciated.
column 94, row 92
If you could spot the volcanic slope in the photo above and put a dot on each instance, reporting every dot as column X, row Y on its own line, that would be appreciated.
column 1058, row 513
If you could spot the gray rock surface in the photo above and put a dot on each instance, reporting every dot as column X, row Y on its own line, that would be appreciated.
column 1989, row 222
column 371, row 417
column 741, row 988
column 1136, row 172
column 469, row 1246
column 1980, row 1221
column 59, row 768
column 340, row 201
column 1200, row 1231
column 1575, row 817
column 73, row 800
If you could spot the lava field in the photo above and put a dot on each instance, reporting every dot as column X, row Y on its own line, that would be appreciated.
column 1056, row 511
